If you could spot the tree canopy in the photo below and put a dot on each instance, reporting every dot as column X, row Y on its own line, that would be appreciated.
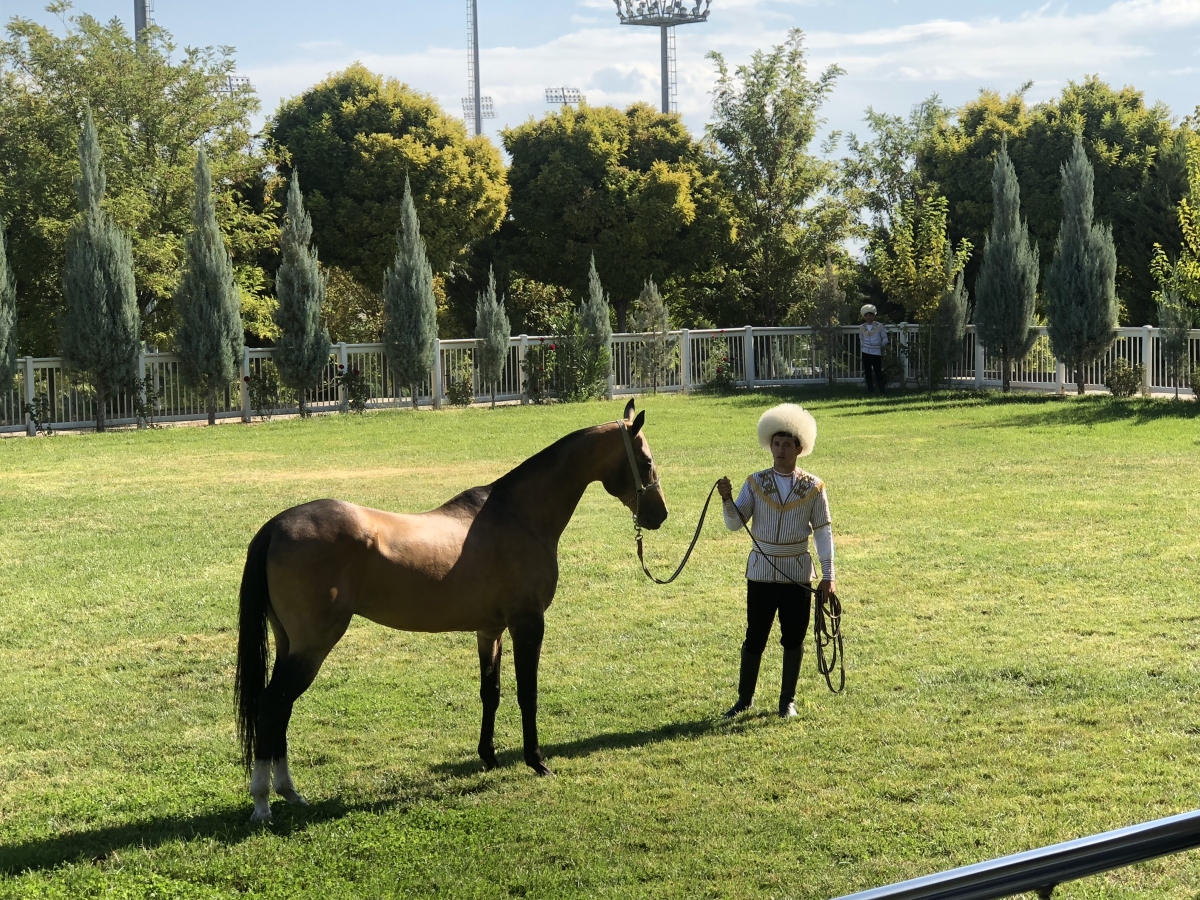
column 357, row 137
column 630, row 189
column 153, row 105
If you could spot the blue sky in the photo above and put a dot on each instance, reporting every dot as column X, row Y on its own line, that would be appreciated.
column 895, row 52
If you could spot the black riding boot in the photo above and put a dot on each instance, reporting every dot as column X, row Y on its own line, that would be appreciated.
column 787, row 686
column 747, row 680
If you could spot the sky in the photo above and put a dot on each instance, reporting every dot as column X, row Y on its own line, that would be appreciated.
column 894, row 52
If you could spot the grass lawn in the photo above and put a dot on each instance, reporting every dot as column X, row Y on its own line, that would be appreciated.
column 1019, row 580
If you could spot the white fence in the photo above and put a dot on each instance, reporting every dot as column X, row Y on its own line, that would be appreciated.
column 753, row 356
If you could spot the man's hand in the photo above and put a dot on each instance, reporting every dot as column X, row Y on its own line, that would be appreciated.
column 724, row 488
column 824, row 589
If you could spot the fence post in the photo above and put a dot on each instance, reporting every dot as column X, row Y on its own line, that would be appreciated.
column 438, row 389
column 980, row 362
column 141, row 385
column 523, row 345
column 1147, row 359
column 685, row 360
column 904, row 356
column 612, row 365
column 748, row 355
column 30, row 428
column 245, row 386
column 344, row 362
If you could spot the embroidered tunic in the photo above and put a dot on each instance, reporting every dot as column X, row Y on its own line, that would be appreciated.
column 781, row 523
column 873, row 337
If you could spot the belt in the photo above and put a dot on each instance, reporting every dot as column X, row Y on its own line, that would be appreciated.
column 779, row 551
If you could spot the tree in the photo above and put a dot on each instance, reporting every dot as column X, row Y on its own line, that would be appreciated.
column 1174, row 322
column 209, row 333
column 409, row 307
column 8, row 317
column 653, row 356
column 1182, row 274
column 100, row 327
column 789, row 214
column 1080, row 287
column 360, row 139
column 827, row 315
column 1130, row 146
column 153, row 106
column 302, row 350
column 630, row 189
column 950, row 319
column 1006, row 290
column 492, row 331
column 917, row 263
column 596, row 327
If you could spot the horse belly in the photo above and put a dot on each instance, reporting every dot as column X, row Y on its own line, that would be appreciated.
column 411, row 600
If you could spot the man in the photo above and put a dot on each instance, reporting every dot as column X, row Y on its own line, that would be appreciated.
column 786, row 505
column 873, row 338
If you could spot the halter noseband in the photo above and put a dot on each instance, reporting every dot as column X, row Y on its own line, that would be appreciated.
column 638, row 486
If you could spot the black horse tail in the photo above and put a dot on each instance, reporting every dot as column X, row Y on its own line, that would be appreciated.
column 251, row 676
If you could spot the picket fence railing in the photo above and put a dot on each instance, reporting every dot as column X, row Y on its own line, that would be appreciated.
column 753, row 356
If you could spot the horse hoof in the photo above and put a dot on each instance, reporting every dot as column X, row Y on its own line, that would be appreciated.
column 295, row 799
column 541, row 770
column 261, row 816
column 490, row 762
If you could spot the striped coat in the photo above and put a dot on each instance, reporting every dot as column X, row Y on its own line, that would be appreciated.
column 782, row 525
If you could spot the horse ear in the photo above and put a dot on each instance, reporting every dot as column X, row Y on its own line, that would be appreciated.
column 628, row 410
column 637, row 423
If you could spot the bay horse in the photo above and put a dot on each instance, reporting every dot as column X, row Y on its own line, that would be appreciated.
column 484, row 561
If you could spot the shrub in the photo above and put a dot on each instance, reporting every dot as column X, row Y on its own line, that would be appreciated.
column 718, row 370
column 40, row 413
column 263, row 386
column 538, row 367
column 461, row 389
column 1124, row 380
column 357, row 388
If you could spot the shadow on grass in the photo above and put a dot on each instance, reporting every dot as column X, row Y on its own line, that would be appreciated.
column 615, row 740
column 231, row 824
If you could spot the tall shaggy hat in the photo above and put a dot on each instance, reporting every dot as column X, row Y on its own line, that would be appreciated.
column 788, row 418
column 868, row 308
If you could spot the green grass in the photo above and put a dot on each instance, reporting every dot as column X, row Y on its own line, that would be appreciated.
column 1019, row 583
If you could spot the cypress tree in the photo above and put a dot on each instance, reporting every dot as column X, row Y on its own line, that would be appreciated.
column 409, row 307
column 1080, row 289
column 302, row 351
column 208, row 301
column 8, row 317
column 1174, row 322
column 493, row 331
column 100, row 329
column 597, row 331
column 1006, row 289
column 950, row 318
column 650, row 317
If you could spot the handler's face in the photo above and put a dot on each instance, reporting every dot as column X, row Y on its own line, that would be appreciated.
column 785, row 451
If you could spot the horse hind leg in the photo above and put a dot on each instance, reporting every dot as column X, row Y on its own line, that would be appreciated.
column 490, row 647
column 290, row 678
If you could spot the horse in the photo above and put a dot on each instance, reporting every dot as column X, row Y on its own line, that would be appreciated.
column 485, row 561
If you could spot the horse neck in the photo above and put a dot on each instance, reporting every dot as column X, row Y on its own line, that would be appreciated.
column 545, row 492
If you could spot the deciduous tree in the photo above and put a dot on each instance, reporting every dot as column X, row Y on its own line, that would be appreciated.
column 209, row 333
column 8, row 316
column 1080, row 286
column 302, row 349
column 99, row 335
column 1006, row 291
column 409, row 307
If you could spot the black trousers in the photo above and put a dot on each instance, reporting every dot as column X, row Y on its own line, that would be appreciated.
column 873, row 371
column 763, row 600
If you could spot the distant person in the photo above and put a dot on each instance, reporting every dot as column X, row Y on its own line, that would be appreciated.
column 782, row 505
column 873, row 338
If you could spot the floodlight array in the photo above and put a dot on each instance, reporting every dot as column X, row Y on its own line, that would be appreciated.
column 564, row 96
column 661, row 12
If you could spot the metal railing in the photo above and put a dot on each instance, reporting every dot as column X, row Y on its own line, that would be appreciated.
column 1041, row 871
column 752, row 357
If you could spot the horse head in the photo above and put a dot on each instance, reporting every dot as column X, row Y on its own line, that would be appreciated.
column 634, row 478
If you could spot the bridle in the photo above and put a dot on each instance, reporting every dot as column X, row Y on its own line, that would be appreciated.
column 827, row 615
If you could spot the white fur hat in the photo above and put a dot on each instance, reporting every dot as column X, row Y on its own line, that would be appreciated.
column 868, row 308
column 789, row 419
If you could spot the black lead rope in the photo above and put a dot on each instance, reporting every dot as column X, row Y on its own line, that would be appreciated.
column 827, row 611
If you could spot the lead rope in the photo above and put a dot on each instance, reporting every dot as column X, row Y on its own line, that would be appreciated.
column 827, row 612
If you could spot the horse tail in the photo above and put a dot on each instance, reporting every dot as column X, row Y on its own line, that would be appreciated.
column 251, row 676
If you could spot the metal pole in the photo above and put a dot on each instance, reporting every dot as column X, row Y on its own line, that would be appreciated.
column 475, row 50
column 666, row 72
column 141, row 17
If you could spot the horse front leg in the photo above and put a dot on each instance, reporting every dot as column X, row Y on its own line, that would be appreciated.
column 489, row 692
column 527, row 633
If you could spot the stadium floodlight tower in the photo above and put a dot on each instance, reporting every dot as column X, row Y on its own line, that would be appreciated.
column 666, row 14
column 476, row 108
column 142, row 17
